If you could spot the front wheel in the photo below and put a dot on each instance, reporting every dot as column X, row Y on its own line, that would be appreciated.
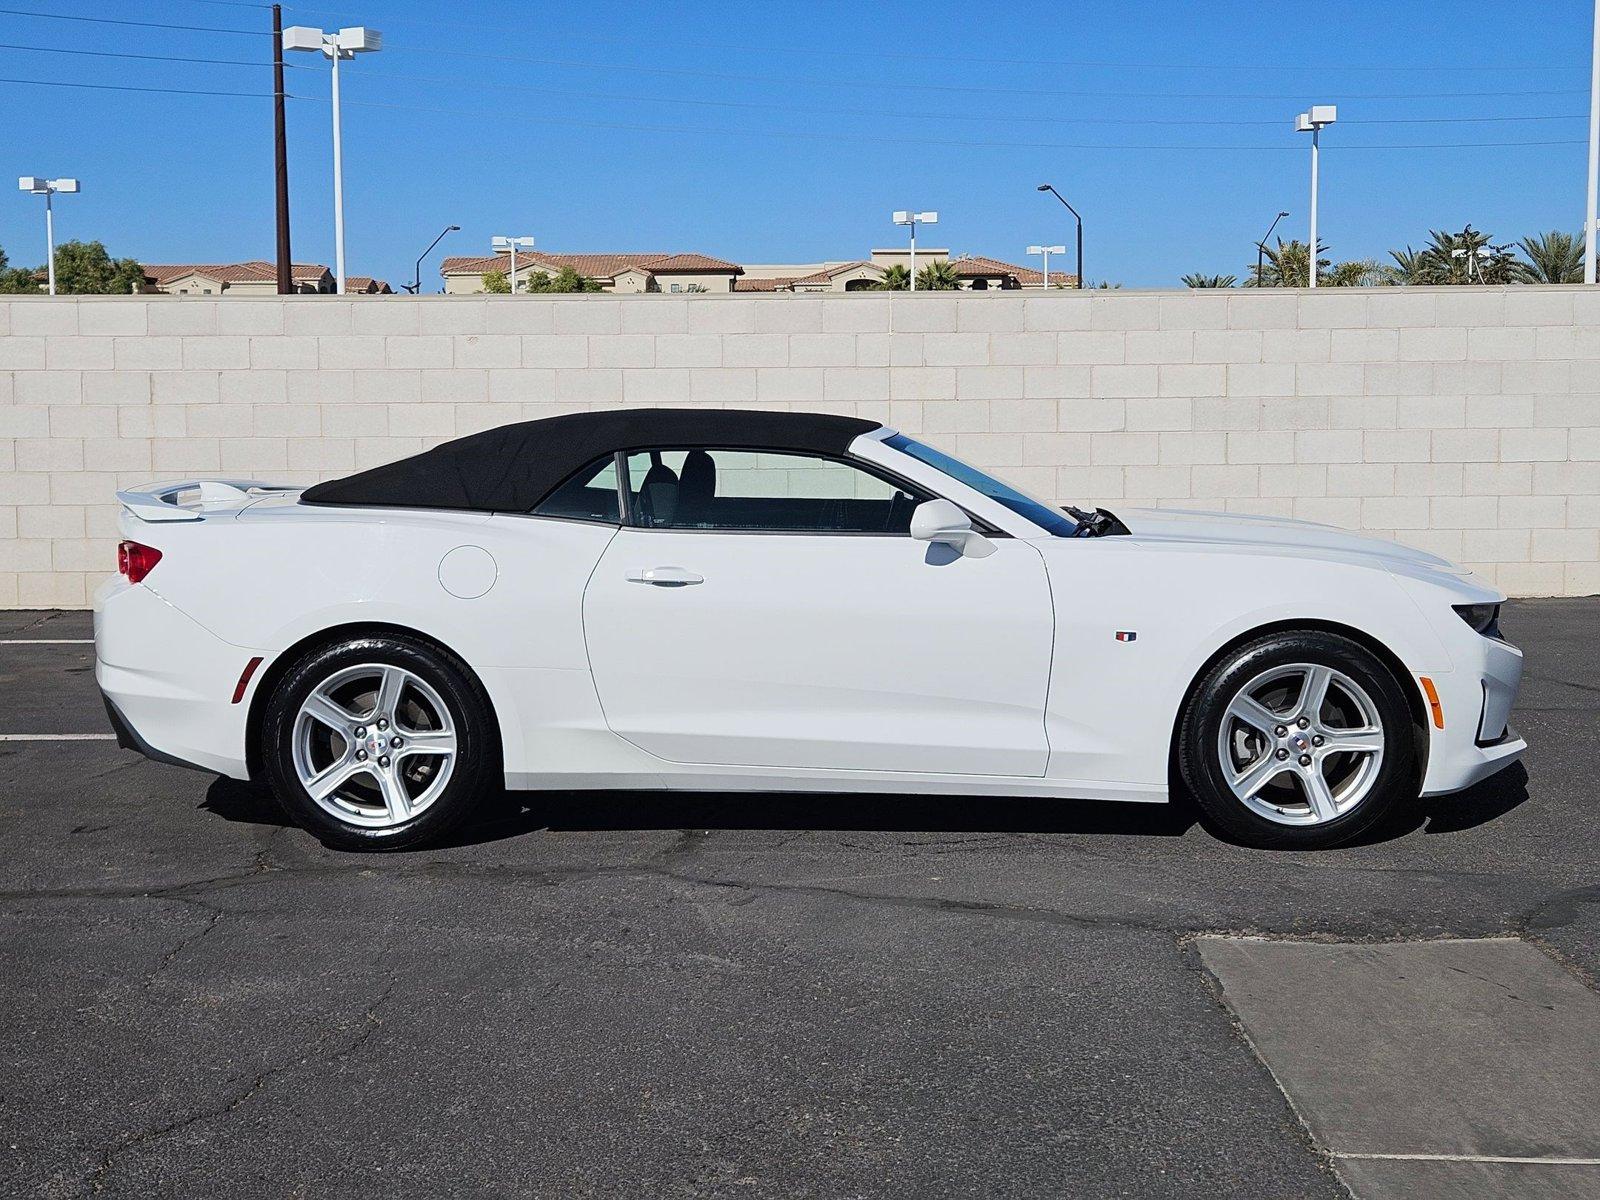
column 1298, row 740
column 378, row 743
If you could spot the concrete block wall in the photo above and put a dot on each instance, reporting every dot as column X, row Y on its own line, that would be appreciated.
column 1462, row 420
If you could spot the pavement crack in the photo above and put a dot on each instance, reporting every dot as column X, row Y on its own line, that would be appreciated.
column 180, row 946
column 326, row 1049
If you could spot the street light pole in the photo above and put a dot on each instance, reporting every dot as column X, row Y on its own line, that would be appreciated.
column 1045, row 187
column 1312, row 122
column 1047, row 251
column 907, row 217
column 1591, row 214
column 346, row 43
column 1261, row 247
column 47, row 188
column 416, row 285
column 502, row 244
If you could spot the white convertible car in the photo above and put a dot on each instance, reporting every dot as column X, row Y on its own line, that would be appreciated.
column 763, row 601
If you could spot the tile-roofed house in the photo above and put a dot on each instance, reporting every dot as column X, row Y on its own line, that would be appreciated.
column 619, row 272
column 366, row 285
column 253, row 278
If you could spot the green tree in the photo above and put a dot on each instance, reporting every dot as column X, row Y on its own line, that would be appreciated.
column 85, row 269
column 564, row 280
column 496, row 283
column 15, row 280
column 1553, row 257
column 1210, row 281
column 895, row 279
column 938, row 276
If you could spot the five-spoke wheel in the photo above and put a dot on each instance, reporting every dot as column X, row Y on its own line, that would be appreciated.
column 374, row 744
column 1301, row 744
column 1298, row 739
column 382, row 741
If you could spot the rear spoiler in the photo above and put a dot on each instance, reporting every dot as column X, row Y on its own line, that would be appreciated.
column 187, row 500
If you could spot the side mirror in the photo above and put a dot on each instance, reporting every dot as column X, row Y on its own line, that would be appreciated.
column 941, row 521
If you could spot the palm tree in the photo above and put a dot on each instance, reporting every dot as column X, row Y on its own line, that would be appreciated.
column 895, row 279
column 1287, row 265
column 938, row 276
column 1457, row 258
column 1359, row 272
column 1553, row 257
column 1210, row 281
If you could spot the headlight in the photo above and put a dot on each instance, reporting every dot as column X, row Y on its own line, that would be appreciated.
column 1485, row 618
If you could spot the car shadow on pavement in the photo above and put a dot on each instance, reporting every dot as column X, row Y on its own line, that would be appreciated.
column 519, row 813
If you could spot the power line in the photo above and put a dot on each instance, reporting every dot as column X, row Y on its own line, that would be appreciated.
column 124, row 87
column 895, row 140
column 877, row 55
column 177, row 58
column 963, row 89
column 18, row 12
column 569, row 93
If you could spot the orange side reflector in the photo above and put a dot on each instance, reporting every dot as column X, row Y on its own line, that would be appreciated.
column 250, row 670
column 1433, row 701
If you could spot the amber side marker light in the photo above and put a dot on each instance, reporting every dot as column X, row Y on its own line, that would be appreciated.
column 1433, row 701
column 245, row 677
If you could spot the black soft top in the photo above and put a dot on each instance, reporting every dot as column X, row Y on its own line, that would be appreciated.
column 514, row 467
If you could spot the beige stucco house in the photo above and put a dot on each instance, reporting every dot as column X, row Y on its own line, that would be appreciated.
column 655, row 272
column 254, row 278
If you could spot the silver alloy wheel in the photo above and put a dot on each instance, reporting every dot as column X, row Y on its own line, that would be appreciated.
column 1301, row 744
column 374, row 745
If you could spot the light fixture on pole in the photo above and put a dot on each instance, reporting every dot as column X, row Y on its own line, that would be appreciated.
column 1045, row 187
column 906, row 217
column 415, row 286
column 1313, row 121
column 1047, row 251
column 346, row 43
column 1591, row 214
column 48, row 188
column 501, row 244
column 1261, row 248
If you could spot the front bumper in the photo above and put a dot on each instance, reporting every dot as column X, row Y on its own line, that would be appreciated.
column 1476, row 701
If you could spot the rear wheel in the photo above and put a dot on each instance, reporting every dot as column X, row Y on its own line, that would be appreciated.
column 378, row 743
column 1298, row 740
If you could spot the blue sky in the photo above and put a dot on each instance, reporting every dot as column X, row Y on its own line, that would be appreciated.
column 765, row 132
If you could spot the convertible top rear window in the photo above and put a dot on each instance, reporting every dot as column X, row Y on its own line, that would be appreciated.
column 1051, row 520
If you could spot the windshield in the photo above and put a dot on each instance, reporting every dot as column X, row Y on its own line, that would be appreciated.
column 1052, row 520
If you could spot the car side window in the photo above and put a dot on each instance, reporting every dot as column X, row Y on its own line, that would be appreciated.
column 590, row 495
column 763, row 492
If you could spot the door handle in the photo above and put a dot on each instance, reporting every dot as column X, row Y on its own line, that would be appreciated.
column 664, row 576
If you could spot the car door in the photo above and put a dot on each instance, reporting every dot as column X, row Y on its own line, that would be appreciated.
column 772, row 610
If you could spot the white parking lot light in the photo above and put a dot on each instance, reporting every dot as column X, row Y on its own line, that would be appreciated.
column 345, row 43
column 913, row 219
column 39, row 186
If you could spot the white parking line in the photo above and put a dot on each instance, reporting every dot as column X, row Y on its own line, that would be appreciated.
column 1473, row 1158
column 58, row 737
column 46, row 641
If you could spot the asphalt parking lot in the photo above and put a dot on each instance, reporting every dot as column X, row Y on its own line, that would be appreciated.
column 642, row 995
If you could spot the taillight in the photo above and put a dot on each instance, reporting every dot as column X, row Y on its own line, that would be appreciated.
column 135, row 560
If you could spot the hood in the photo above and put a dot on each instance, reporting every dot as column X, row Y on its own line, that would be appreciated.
column 1157, row 527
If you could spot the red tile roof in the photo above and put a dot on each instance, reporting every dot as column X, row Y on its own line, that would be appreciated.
column 592, row 266
column 778, row 284
column 694, row 263
column 254, row 271
column 366, row 283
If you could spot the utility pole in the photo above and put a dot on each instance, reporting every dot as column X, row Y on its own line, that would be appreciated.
column 1591, row 214
column 280, row 154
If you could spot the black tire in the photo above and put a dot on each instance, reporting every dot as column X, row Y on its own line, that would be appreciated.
column 1202, row 770
column 475, row 772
